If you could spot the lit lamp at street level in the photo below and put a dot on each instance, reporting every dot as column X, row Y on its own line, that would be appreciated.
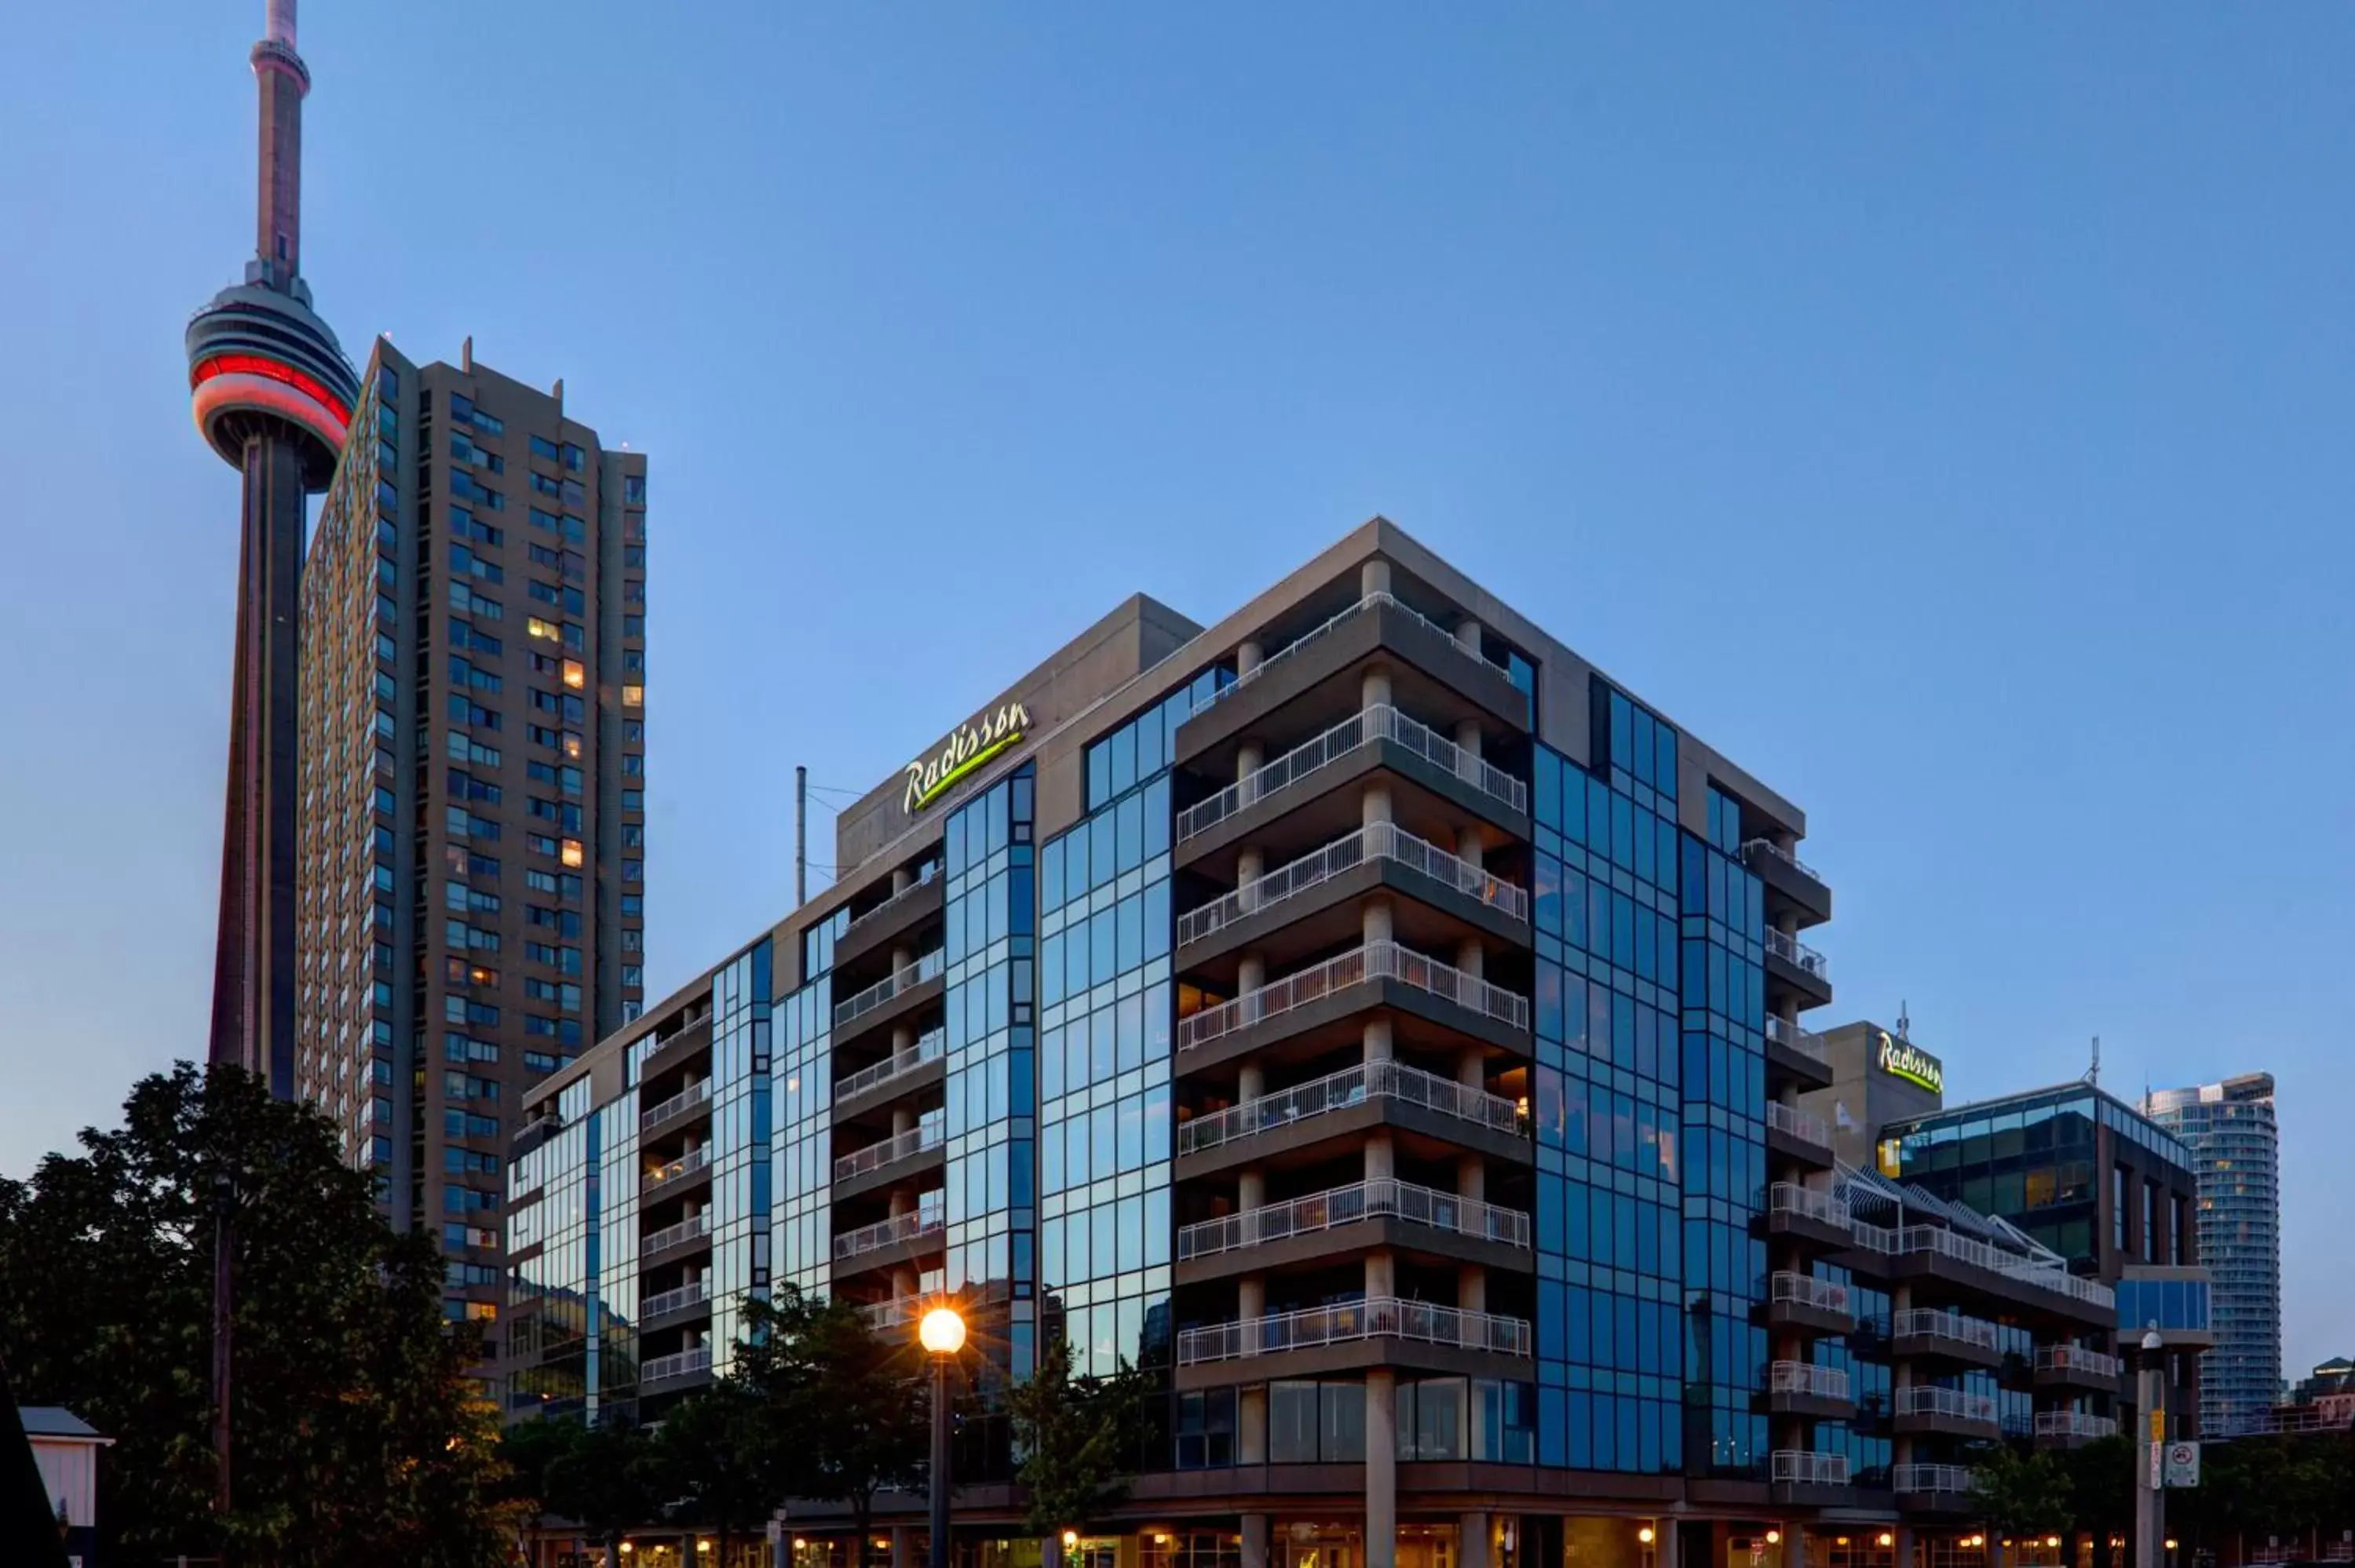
column 942, row 1333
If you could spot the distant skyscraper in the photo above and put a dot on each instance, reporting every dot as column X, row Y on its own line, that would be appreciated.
column 2236, row 1149
column 272, row 394
column 473, row 758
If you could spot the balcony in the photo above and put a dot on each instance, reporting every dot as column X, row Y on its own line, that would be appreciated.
column 910, row 1233
column 1429, row 757
column 1948, row 1483
column 1428, row 1102
column 1802, row 1301
column 1802, row 1388
column 693, row 1160
column 1378, row 848
column 2004, row 1277
column 930, row 1047
column 889, row 1152
column 1798, row 1054
column 1380, row 1318
column 2076, row 1366
column 1798, row 1135
column 1934, row 1333
column 1791, row 963
column 1437, row 635
column 1374, row 962
column 671, row 1369
column 1382, row 1198
column 1802, row 1476
column 890, row 987
column 1805, row 1214
column 679, row 1235
column 686, row 1100
column 1926, row 1408
column 882, row 1317
column 2067, row 1428
column 896, row 918
column 664, row 1304
column 1793, row 878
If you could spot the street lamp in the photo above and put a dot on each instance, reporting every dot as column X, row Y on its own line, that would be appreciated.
column 2150, row 1503
column 942, row 1332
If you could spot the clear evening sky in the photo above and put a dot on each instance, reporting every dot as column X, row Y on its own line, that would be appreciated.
column 1943, row 410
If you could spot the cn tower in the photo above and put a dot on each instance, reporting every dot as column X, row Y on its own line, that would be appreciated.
column 272, row 394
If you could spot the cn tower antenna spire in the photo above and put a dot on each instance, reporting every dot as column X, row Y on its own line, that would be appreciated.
column 283, row 81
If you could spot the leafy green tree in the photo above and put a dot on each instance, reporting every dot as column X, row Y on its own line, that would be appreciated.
column 603, row 1477
column 1078, row 1436
column 719, row 1454
column 849, row 1408
column 2020, row 1493
column 357, row 1438
column 2100, row 1479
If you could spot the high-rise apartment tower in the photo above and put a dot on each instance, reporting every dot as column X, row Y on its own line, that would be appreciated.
column 272, row 393
column 2236, row 1156
column 473, row 758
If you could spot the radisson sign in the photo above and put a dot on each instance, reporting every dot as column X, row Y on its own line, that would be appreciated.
column 968, row 748
column 1903, row 1059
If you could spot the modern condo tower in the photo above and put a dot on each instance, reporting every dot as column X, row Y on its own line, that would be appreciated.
column 2236, row 1152
column 272, row 394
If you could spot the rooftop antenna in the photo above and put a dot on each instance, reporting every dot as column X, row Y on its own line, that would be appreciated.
column 2093, row 1073
column 1904, row 1024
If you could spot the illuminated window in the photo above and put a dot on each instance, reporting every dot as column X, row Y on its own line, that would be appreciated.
column 572, row 745
column 634, row 696
column 536, row 626
column 573, row 855
column 575, row 675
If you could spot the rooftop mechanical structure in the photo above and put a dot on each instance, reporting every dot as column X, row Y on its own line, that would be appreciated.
column 272, row 394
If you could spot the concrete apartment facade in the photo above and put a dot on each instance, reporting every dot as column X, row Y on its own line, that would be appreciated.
column 1369, row 1018
column 471, row 882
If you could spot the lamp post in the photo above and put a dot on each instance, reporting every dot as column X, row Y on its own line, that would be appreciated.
column 943, row 1334
column 2150, row 1395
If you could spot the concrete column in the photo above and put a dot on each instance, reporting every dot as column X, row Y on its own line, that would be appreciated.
column 1374, row 806
column 903, row 1119
column 1467, row 634
column 1472, row 1540
column 903, row 1038
column 903, row 1282
column 1250, row 974
column 1471, row 1177
column 1471, row 1287
column 1795, row 1545
column 1374, row 691
column 1251, row 1081
column 1471, row 1068
column 1378, row 1040
column 901, row 880
column 1249, row 757
column 1250, row 864
column 1467, row 740
column 1247, row 656
column 1381, row 1274
column 1381, row 1155
column 1904, row 1546
column 1255, row 1541
column 1468, row 847
column 1472, row 957
column 902, row 1201
column 1378, row 926
column 1381, row 1467
column 1250, row 1296
column 903, row 1548
column 900, row 958
column 1251, row 1189
column 1374, row 576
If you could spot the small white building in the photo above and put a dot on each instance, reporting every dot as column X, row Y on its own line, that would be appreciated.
column 65, row 1449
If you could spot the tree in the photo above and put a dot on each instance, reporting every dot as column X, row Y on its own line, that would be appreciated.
column 357, row 1438
column 851, row 1407
column 2022, row 1493
column 527, row 1450
column 603, row 1477
column 2100, row 1479
column 1078, row 1436
column 718, row 1453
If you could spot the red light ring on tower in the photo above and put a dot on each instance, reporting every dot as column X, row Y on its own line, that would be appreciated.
column 220, row 396
column 275, row 370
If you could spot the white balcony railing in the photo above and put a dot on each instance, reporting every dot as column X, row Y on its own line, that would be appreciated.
column 671, row 1236
column 1800, row 1467
column 923, row 879
column 1805, row 1290
column 1378, row 723
column 1381, row 1318
column 1790, row 1198
column 891, row 985
column 1791, row 950
column 885, row 1233
column 1376, row 840
column 1376, row 1198
column 1806, row 1042
column 2056, row 1277
column 2011, row 1266
column 664, row 1301
column 686, row 1164
column 929, row 1047
column 1870, row 1238
column 1928, row 1399
column 2073, row 1423
column 1807, row 1378
column 1339, row 1091
column 682, row 1364
column 876, row 1156
column 1359, row 966
column 1308, row 640
column 1939, row 1323
column 885, row 1315
column 1918, row 1478
column 1770, row 847
column 693, row 1094
column 1963, row 1249
column 2076, row 1358
column 1793, row 1122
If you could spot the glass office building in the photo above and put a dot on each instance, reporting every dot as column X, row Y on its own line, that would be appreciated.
column 1380, row 1027
column 2235, row 1148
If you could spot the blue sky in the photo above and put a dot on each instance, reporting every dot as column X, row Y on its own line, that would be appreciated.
column 1941, row 410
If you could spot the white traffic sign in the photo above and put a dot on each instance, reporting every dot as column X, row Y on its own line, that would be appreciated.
column 2183, row 1464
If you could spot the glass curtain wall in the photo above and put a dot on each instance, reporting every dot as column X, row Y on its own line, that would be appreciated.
column 741, row 1146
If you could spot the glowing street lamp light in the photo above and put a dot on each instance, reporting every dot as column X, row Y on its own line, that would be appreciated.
column 942, row 1333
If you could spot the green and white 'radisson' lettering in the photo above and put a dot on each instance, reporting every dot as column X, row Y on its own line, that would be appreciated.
column 965, row 750
column 1904, row 1060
